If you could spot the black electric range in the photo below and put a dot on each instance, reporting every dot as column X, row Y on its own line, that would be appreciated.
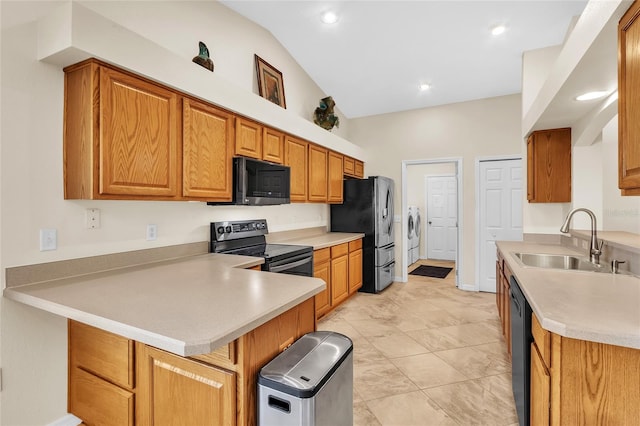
column 247, row 238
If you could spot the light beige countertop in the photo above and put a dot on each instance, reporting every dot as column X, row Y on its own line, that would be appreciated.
column 318, row 237
column 598, row 307
column 186, row 306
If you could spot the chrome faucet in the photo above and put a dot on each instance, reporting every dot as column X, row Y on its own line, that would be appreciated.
column 596, row 249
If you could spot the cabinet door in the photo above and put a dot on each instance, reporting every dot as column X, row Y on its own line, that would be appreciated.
column 629, row 102
column 272, row 146
column 336, row 177
column 549, row 166
column 207, row 152
column 540, row 389
column 359, row 169
column 175, row 390
column 139, row 150
column 248, row 138
column 295, row 156
column 322, row 270
column 318, row 178
column 355, row 270
column 339, row 279
column 349, row 166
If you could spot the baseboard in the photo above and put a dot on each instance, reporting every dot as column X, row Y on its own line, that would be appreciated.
column 467, row 287
column 68, row 420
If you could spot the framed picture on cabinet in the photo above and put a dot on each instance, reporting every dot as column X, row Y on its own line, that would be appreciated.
column 270, row 85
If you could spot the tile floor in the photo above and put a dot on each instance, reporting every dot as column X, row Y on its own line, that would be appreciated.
column 426, row 353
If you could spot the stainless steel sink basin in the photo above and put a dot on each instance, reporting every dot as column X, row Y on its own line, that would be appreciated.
column 559, row 261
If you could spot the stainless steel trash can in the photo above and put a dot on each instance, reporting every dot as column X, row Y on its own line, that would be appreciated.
column 311, row 383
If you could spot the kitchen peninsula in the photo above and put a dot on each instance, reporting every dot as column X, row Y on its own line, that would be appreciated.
column 201, row 321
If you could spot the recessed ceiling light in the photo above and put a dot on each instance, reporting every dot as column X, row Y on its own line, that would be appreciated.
column 329, row 18
column 496, row 30
column 591, row 95
column 425, row 86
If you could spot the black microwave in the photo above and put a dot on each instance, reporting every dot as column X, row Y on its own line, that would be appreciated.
column 259, row 183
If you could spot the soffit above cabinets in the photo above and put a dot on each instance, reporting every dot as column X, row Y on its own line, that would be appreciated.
column 73, row 33
column 586, row 62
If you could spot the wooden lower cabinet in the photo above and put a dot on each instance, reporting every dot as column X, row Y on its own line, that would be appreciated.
column 503, row 297
column 339, row 273
column 582, row 382
column 340, row 266
column 355, row 266
column 218, row 388
column 322, row 270
column 175, row 390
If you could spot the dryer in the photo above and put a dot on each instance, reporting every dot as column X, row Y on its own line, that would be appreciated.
column 415, row 240
column 410, row 233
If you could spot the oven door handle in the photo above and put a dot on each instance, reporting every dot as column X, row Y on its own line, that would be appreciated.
column 290, row 265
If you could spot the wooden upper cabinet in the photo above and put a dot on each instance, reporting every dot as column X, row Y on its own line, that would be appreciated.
column 120, row 134
column 295, row 156
column 272, row 145
column 208, row 148
column 318, row 173
column 359, row 169
column 629, row 101
column 549, row 166
column 248, row 138
column 349, row 166
column 353, row 167
column 335, row 183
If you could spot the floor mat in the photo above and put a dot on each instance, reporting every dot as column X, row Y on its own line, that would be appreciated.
column 431, row 271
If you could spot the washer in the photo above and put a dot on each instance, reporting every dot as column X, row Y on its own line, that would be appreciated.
column 410, row 233
column 415, row 240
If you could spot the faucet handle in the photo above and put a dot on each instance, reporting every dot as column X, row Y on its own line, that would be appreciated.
column 614, row 265
column 599, row 245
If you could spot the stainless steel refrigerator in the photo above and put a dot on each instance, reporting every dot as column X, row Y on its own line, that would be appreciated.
column 368, row 208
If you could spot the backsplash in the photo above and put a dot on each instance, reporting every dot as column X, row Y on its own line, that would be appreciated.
column 618, row 245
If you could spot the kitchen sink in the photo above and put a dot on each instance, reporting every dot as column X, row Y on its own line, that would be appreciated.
column 560, row 261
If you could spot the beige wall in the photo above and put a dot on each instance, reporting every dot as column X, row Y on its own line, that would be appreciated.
column 488, row 127
column 33, row 343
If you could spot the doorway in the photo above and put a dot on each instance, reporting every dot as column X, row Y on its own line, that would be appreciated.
column 408, row 199
column 441, row 224
column 499, row 213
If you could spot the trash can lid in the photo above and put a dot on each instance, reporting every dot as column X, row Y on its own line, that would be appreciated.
column 307, row 364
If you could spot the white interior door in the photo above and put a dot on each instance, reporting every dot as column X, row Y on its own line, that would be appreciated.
column 441, row 227
column 500, row 213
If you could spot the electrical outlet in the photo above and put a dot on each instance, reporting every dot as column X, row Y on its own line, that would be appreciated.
column 48, row 239
column 585, row 245
column 152, row 232
column 92, row 219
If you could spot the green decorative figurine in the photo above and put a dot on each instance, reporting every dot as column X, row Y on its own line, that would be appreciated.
column 324, row 116
column 203, row 58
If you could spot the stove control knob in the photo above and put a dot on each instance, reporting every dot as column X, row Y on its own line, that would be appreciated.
column 228, row 229
column 220, row 229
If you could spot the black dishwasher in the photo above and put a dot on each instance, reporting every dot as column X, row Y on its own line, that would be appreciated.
column 521, row 339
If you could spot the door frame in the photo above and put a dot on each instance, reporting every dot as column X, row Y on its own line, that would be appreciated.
column 426, row 199
column 405, row 241
column 478, row 160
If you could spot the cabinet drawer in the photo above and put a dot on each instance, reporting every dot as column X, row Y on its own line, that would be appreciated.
column 322, row 255
column 98, row 402
column 339, row 250
column 542, row 338
column 107, row 355
column 355, row 245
